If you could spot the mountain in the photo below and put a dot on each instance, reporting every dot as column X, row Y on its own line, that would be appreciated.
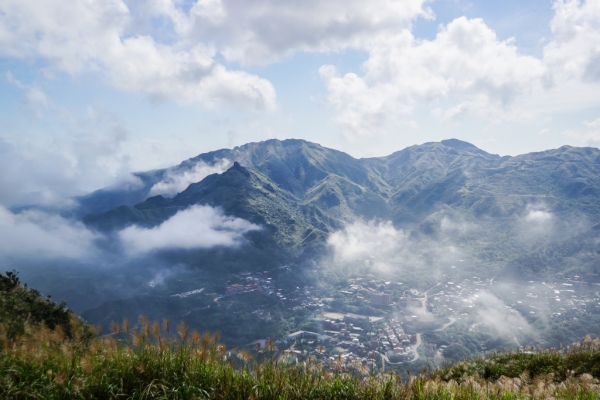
column 301, row 192
column 424, row 213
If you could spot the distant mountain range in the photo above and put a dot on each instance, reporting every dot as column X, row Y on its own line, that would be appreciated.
column 522, row 216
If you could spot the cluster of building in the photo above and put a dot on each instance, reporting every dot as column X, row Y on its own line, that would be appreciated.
column 569, row 299
column 343, row 339
column 301, row 298
column 352, row 323
column 395, row 343
column 456, row 297
column 351, row 339
column 249, row 282
column 566, row 300
column 374, row 291
column 319, row 338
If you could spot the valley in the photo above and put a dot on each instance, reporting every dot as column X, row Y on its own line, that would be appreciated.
column 459, row 250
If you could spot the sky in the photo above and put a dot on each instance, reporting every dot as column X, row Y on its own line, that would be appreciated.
column 92, row 90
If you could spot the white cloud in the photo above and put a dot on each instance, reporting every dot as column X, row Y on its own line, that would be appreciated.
column 34, row 96
column 468, row 71
column 262, row 31
column 195, row 227
column 538, row 216
column 160, row 49
column 36, row 235
column 574, row 51
column 466, row 62
column 536, row 221
column 593, row 124
column 102, row 36
column 386, row 249
column 590, row 135
column 82, row 154
column 360, row 240
column 493, row 314
column 177, row 181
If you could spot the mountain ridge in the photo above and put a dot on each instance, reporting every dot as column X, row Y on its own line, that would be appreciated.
column 302, row 192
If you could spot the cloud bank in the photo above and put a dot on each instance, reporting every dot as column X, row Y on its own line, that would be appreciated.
column 266, row 30
column 195, row 227
column 165, row 50
column 42, row 237
column 385, row 249
column 34, row 235
column 468, row 70
column 113, row 38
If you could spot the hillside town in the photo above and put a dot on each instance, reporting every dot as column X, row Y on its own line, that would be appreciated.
column 403, row 331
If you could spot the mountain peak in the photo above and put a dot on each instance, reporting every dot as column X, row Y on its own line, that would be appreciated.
column 461, row 145
column 238, row 167
column 457, row 144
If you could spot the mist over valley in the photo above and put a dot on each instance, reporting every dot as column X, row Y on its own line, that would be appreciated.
column 436, row 252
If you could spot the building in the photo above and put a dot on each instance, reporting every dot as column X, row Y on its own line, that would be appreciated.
column 331, row 325
column 292, row 337
column 235, row 288
column 381, row 299
column 355, row 319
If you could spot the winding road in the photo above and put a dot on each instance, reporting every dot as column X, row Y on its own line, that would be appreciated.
column 385, row 359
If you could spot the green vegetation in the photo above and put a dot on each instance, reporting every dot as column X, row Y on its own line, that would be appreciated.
column 151, row 361
column 580, row 359
column 20, row 305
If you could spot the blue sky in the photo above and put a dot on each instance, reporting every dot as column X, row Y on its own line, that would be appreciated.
column 93, row 90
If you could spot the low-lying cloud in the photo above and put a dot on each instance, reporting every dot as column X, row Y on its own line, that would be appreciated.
column 494, row 315
column 195, row 227
column 538, row 216
column 537, row 221
column 386, row 249
column 177, row 181
column 359, row 240
column 39, row 235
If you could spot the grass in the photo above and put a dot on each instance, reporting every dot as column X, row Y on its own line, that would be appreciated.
column 152, row 362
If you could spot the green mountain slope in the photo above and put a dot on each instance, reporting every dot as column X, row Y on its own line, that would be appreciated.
column 21, row 306
column 527, row 217
column 301, row 192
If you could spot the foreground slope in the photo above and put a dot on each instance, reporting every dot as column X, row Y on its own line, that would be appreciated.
column 154, row 361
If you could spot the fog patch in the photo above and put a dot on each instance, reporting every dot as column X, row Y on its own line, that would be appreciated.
column 385, row 249
column 195, row 227
column 126, row 182
column 35, row 234
column 538, row 222
column 423, row 315
column 159, row 277
column 47, row 200
column 538, row 216
column 358, row 240
column 493, row 314
column 177, row 181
